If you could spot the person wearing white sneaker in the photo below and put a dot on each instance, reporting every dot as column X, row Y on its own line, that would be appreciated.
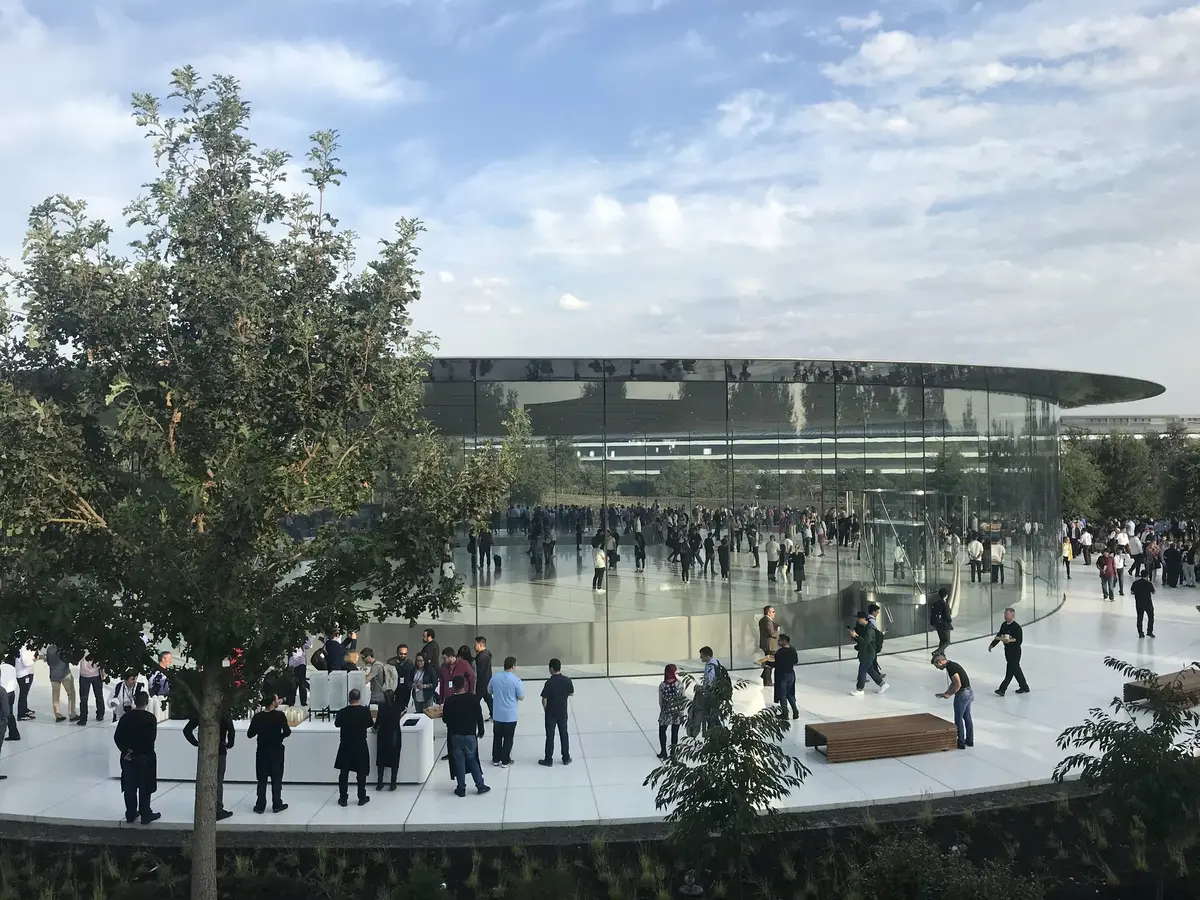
column 868, row 653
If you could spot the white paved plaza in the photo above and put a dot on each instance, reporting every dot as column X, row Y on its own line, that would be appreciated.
column 58, row 774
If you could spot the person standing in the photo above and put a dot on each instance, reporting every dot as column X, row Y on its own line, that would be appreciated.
column 485, row 549
column 555, row 693
column 786, row 660
column 405, row 672
column 1143, row 599
column 8, row 687
column 723, row 557
column 772, row 557
column 430, row 649
column 975, row 558
column 298, row 666
column 424, row 684
column 24, row 660
column 335, row 654
column 998, row 563
column 91, row 678
column 453, row 665
column 505, row 692
column 864, row 643
column 5, row 709
column 483, row 672
column 463, row 714
column 797, row 561
column 134, row 736
column 353, row 755
column 224, row 745
column 768, row 634
column 376, row 675
column 671, row 710
column 941, row 620
column 60, row 679
column 599, row 562
column 1011, row 636
column 1068, row 554
column 271, row 728
column 1107, row 567
column 389, row 740
column 960, row 691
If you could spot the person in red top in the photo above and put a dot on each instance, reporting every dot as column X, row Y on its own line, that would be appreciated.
column 452, row 665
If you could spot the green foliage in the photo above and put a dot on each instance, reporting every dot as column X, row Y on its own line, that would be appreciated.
column 1149, row 770
column 1083, row 484
column 723, row 784
column 1131, row 478
column 913, row 868
column 421, row 882
column 168, row 404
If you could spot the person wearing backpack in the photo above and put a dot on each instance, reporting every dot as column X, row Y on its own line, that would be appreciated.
column 940, row 619
column 377, row 676
column 865, row 643
column 877, row 634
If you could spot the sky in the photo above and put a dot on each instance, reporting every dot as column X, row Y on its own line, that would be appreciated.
column 1006, row 183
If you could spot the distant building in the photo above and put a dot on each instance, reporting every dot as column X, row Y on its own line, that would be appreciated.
column 1138, row 426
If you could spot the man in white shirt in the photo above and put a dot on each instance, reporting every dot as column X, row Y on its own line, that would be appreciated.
column 772, row 557
column 8, row 684
column 25, row 659
column 1085, row 543
column 998, row 563
column 975, row 558
column 785, row 555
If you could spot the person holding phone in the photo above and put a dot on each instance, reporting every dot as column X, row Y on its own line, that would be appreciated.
column 959, row 690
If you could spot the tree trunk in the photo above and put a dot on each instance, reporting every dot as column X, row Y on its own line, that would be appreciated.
column 204, row 818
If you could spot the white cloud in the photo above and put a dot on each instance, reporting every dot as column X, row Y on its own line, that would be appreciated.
column 869, row 22
column 572, row 303
column 446, row 277
column 320, row 68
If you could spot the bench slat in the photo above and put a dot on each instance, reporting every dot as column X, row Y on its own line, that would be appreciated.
column 882, row 738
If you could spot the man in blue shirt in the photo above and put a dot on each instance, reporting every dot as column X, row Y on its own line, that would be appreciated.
column 506, row 690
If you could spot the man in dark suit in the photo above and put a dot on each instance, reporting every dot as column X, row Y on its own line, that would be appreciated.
column 768, row 635
column 134, row 736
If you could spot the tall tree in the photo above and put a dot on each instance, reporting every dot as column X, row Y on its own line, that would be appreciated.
column 164, row 410
column 1132, row 482
column 1083, row 483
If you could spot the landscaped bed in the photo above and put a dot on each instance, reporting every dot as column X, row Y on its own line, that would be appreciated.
column 1061, row 849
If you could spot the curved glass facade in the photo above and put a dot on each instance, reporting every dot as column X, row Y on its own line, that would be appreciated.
column 901, row 462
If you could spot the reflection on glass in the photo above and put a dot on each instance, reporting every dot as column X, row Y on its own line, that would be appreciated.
column 879, row 475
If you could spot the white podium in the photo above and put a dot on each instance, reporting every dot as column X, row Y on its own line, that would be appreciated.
column 318, row 690
column 309, row 753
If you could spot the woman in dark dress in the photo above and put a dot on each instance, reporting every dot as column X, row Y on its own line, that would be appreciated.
column 353, row 754
column 387, row 750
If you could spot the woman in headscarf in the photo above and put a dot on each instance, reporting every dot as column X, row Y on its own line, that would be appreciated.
column 671, row 710
column 387, row 749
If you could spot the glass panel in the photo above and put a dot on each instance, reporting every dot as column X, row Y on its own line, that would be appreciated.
column 1010, row 491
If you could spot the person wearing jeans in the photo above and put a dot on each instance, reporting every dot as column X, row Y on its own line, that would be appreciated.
column 868, row 655
column 786, row 659
column 505, row 691
column 91, row 678
column 960, row 691
column 463, row 715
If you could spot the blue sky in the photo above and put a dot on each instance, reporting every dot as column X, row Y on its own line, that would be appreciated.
column 1002, row 182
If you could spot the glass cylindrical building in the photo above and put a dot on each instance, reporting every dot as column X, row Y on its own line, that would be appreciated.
column 902, row 462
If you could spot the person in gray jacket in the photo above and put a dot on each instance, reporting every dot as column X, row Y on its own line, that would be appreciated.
column 60, row 679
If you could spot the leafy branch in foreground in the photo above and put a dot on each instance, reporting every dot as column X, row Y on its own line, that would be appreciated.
column 724, row 783
column 1142, row 754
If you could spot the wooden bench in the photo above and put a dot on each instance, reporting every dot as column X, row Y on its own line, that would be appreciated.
column 881, row 738
column 1187, row 680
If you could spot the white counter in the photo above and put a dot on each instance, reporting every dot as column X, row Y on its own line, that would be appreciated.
column 309, row 753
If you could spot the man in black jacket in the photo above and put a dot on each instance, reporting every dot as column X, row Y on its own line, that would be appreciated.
column 270, row 726
column 483, row 672
column 431, row 651
column 224, row 745
column 1011, row 636
column 134, row 736
column 463, row 717
column 939, row 618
